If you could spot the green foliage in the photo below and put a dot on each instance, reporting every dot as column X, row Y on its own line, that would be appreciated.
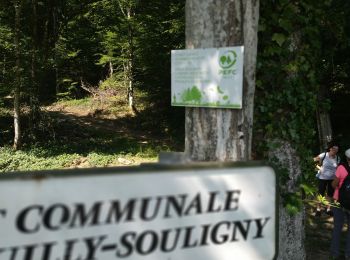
column 290, row 63
column 89, row 154
column 116, row 82
column 33, row 159
column 292, row 202
column 82, row 103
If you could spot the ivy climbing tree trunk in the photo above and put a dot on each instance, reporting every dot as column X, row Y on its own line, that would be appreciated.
column 291, row 225
column 222, row 134
column 17, row 142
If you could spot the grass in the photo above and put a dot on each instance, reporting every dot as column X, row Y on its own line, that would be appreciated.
column 74, row 136
column 48, row 158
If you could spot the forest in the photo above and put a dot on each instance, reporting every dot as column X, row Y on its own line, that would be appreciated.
column 110, row 59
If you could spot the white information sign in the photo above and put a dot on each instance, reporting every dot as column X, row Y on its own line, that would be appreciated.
column 207, row 77
column 185, row 214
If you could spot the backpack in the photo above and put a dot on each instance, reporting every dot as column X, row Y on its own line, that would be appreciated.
column 344, row 191
column 337, row 158
column 320, row 164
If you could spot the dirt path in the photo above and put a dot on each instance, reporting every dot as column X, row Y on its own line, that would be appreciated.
column 124, row 125
column 318, row 236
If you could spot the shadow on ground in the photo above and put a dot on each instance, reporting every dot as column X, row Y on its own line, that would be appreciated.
column 85, row 131
column 318, row 236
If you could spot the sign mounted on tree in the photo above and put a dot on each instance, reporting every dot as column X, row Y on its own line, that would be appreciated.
column 207, row 77
column 155, row 213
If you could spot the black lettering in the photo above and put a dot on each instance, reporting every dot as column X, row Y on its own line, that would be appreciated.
column 92, row 246
column 260, row 227
column 61, row 210
column 188, row 236
column 21, row 219
column 116, row 213
column 204, row 239
column 69, row 247
column 81, row 218
column 164, row 247
column 243, row 230
column 141, row 242
column 173, row 203
column 211, row 203
column 195, row 205
column 145, row 205
column 231, row 202
column 125, row 241
column 47, row 250
column 14, row 251
column 29, row 251
column 214, row 233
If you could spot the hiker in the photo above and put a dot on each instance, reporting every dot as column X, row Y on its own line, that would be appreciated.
column 328, row 162
column 340, row 213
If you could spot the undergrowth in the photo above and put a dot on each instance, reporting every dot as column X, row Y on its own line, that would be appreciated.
column 83, row 139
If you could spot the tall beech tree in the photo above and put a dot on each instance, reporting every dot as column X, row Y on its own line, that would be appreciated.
column 223, row 134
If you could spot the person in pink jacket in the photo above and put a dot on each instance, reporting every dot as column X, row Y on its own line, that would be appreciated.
column 340, row 215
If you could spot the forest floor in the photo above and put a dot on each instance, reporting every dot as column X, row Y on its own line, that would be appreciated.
column 83, row 134
column 88, row 133
column 114, row 126
column 318, row 229
column 318, row 235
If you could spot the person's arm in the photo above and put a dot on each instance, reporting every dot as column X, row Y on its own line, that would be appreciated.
column 317, row 159
column 340, row 175
column 335, row 182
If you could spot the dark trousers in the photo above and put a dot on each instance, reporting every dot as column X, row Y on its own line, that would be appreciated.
column 340, row 216
column 325, row 187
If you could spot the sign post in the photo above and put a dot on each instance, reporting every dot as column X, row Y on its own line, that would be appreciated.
column 207, row 212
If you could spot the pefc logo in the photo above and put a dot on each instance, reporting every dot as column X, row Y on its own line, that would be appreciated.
column 228, row 59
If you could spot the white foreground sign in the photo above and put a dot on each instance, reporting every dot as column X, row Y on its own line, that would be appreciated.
column 210, row 77
column 162, row 214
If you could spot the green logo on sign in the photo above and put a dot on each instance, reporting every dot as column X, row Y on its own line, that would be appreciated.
column 228, row 59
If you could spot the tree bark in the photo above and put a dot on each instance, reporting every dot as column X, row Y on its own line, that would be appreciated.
column 291, row 227
column 127, row 9
column 222, row 134
column 130, row 61
column 33, row 98
column 17, row 142
column 324, row 129
column 324, row 126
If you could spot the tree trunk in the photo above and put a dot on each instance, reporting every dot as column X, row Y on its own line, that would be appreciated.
column 222, row 134
column 324, row 129
column 291, row 227
column 4, row 66
column 33, row 98
column 127, row 9
column 130, row 61
column 55, row 28
column 17, row 142
column 110, row 69
column 324, row 125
